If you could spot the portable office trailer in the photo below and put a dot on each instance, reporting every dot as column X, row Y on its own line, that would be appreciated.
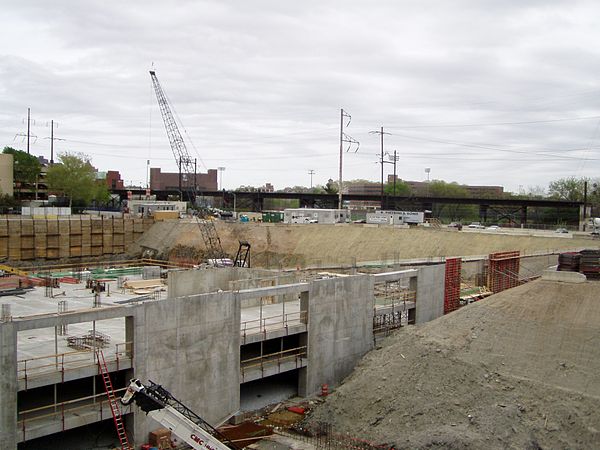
column 316, row 215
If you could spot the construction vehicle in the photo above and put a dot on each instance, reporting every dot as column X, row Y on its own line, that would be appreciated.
column 160, row 405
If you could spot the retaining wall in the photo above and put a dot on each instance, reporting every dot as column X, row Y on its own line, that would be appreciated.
column 24, row 239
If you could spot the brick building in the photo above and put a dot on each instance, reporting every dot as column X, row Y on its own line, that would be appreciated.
column 165, row 181
column 113, row 180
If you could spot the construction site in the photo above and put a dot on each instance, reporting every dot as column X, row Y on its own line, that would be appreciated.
column 335, row 336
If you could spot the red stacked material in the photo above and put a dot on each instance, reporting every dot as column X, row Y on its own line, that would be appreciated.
column 503, row 271
column 68, row 280
column 452, row 285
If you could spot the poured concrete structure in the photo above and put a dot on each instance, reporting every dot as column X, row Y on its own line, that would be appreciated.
column 191, row 341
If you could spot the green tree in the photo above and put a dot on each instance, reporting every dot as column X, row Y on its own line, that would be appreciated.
column 439, row 188
column 75, row 178
column 572, row 189
column 26, row 168
column 331, row 187
column 402, row 189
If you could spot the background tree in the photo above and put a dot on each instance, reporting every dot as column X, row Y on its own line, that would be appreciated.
column 75, row 178
column 439, row 188
column 26, row 168
column 572, row 189
column 331, row 187
column 402, row 189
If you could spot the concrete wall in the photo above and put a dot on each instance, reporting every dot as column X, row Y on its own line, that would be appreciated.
column 430, row 293
column 8, row 385
column 188, row 282
column 340, row 329
column 191, row 345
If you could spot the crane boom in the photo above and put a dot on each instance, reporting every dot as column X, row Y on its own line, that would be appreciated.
column 186, row 166
column 160, row 405
column 182, row 156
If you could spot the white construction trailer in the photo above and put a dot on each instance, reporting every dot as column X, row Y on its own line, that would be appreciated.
column 315, row 215
column 396, row 217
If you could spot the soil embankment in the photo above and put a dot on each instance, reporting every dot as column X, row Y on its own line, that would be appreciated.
column 520, row 370
column 322, row 245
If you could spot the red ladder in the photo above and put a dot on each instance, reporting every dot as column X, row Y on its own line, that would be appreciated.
column 112, row 400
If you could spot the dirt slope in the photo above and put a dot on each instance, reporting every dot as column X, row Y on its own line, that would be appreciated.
column 518, row 370
column 291, row 245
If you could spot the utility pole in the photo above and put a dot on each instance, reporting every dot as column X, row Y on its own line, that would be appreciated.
column 28, row 127
column 311, row 173
column 195, row 169
column 381, row 133
column 349, row 140
column 52, row 142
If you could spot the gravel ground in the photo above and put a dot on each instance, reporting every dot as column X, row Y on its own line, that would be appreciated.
column 519, row 370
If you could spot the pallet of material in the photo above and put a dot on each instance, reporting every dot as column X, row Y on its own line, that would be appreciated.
column 4, row 227
column 143, row 284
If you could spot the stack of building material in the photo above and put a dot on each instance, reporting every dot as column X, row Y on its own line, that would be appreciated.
column 589, row 264
column 569, row 262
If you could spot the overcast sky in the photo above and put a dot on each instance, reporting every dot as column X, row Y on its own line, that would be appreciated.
column 481, row 92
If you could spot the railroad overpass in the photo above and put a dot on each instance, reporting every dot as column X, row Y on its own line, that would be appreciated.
column 515, row 206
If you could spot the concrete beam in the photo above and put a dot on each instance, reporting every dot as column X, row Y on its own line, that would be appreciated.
column 85, row 315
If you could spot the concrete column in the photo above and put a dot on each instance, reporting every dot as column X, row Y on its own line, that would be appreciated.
column 430, row 293
column 8, row 385
column 340, row 329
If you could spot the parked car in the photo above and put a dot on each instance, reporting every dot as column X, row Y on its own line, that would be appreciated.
column 493, row 228
column 476, row 225
column 456, row 225
column 561, row 230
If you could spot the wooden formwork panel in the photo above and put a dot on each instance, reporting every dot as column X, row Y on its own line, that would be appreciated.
column 53, row 241
column 118, row 249
column 14, row 227
column 52, row 226
column 27, row 242
column 96, row 225
column 107, row 243
column 118, row 226
column 128, row 225
column 27, row 227
column 3, row 227
column 76, row 251
column 96, row 250
column 64, row 251
column 86, row 250
column 138, row 225
column 14, row 253
column 75, row 226
column 76, row 240
column 118, row 239
column 64, row 227
column 40, row 226
column 27, row 254
column 14, row 242
column 148, row 222
column 52, row 253
column 107, row 225
column 3, row 247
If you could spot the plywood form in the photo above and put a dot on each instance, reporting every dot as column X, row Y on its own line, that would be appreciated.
column 52, row 225
column 26, row 227
column 3, row 227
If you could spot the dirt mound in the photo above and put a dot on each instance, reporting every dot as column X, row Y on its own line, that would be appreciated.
column 322, row 245
column 518, row 370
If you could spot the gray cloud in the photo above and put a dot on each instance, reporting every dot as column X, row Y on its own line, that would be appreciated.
column 259, row 85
